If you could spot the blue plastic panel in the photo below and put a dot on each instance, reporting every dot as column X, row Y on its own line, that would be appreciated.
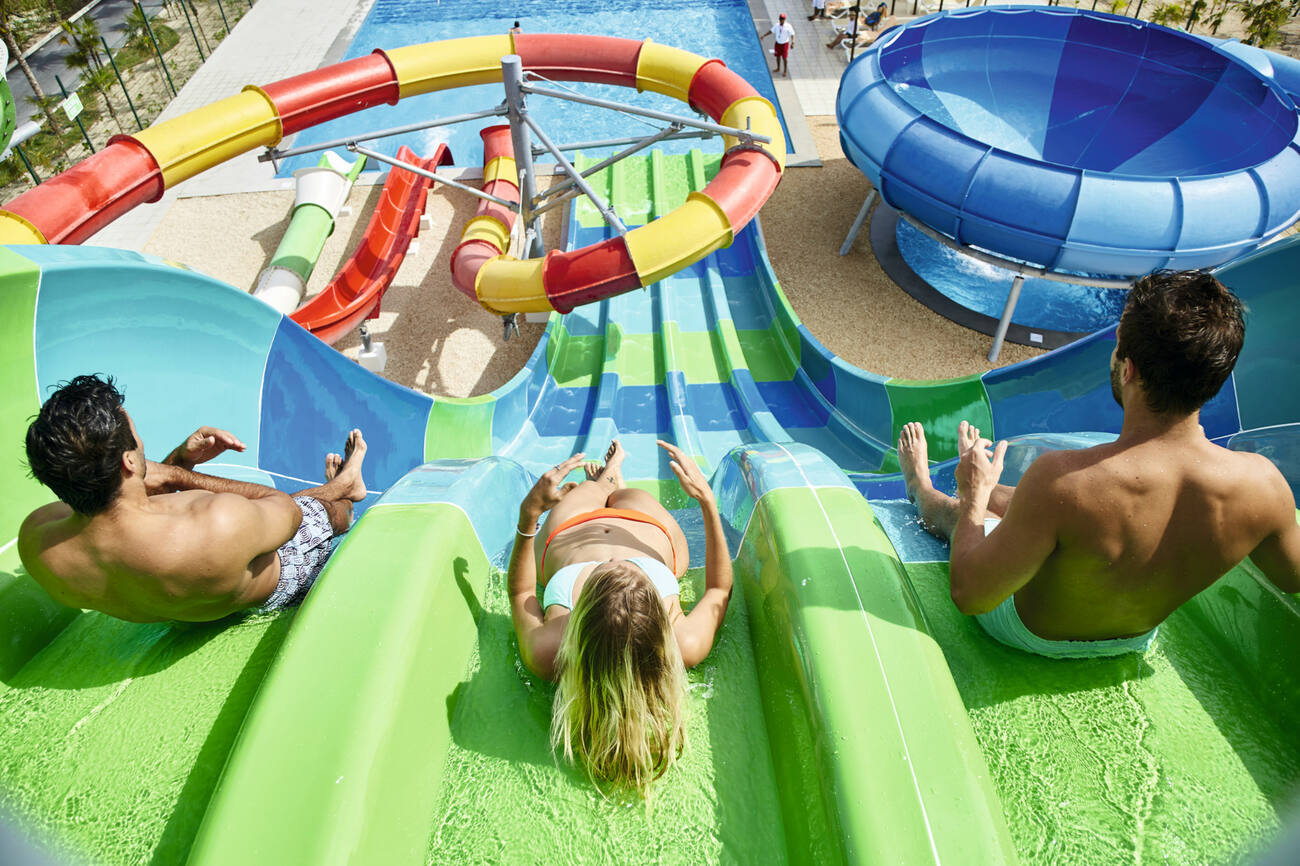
column 1093, row 125
column 155, row 311
column 313, row 396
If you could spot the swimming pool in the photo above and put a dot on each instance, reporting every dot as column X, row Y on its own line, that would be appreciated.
column 982, row 287
column 710, row 28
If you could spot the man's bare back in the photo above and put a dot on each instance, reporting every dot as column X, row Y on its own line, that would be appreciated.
column 178, row 545
column 1106, row 542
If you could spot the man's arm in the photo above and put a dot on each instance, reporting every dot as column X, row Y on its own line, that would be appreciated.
column 985, row 570
column 1278, row 555
column 167, row 478
column 201, row 446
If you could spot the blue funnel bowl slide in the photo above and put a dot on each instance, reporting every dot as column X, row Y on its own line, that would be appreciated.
column 1077, row 141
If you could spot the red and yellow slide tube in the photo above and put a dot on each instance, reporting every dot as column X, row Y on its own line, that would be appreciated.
column 134, row 169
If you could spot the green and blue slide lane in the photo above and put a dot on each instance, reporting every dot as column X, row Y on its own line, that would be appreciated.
column 847, row 713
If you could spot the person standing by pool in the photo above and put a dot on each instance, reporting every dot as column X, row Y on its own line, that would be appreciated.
column 783, row 36
column 1095, row 548
column 609, row 628
column 149, row 542
column 515, row 29
column 818, row 10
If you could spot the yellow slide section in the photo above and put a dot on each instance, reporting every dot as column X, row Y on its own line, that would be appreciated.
column 758, row 116
column 678, row 239
column 667, row 70
column 200, row 139
column 454, row 63
column 16, row 230
column 513, row 286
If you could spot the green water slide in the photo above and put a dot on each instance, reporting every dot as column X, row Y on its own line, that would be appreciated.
column 846, row 714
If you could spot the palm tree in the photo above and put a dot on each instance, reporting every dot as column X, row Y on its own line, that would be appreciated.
column 85, row 58
column 11, row 42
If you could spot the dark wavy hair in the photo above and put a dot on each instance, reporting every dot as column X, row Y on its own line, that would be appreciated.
column 1183, row 330
column 75, row 444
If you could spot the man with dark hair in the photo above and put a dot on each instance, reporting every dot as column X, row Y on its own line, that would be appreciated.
column 146, row 541
column 1095, row 548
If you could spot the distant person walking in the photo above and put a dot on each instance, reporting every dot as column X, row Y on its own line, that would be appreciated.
column 515, row 29
column 819, row 9
column 783, row 36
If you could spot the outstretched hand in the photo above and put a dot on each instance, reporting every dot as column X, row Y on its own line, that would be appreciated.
column 688, row 474
column 202, row 445
column 547, row 491
column 977, row 471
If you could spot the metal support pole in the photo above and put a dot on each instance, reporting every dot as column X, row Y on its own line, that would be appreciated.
column 606, row 211
column 512, row 75
column 746, row 135
column 148, row 28
column 431, row 175
column 121, row 83
column 90, row 144
column 1005, row 322
column 224, row 19
column 274, row 154
column 27, row 164
column 186, row 12
column 857, row 224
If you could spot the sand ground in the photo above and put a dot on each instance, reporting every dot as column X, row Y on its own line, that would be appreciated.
column 441, row 343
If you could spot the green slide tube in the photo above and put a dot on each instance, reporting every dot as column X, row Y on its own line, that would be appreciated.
column 321, row 192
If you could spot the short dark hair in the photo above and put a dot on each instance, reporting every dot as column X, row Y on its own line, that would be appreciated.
column 1183, row 331
column 75, row 444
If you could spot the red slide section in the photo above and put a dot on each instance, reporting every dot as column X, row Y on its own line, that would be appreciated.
column 356, row 291
column 470, row 256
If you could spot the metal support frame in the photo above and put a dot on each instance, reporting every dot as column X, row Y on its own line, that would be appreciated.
column 577, row 179
column 857, row 224
column 432, row 175
column 744, row 134
column 512, row 76
column 568, row 187
column 271, row 154
column 633, row 139
column 1021, row 270
column 1008, row 309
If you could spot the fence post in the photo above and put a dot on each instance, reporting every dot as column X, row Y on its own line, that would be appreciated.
column 90, row 144
column 121, row 83
column 156, row 47
column 18, row 149
column 186, row 12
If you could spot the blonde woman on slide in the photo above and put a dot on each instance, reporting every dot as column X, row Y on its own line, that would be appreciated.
column 609, row 628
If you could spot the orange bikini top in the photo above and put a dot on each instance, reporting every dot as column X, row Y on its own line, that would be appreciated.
column 601, row 514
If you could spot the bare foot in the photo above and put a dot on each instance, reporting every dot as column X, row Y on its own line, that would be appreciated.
column 332, row 464
column 348, row 473
column 612, row 471
column 913, row 458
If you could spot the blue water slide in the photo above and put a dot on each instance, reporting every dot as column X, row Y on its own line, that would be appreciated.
column 1076, row 141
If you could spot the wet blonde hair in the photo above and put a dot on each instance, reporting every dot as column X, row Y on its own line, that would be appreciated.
column 620, row 700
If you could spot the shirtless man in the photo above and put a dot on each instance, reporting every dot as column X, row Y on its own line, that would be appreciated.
column 1096, row 547
column 148, row 542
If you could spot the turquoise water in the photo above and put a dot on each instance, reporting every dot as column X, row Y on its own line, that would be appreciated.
column 710, row 28
column 983, row 288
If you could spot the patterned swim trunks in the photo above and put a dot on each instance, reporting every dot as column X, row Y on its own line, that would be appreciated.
column 303, row 556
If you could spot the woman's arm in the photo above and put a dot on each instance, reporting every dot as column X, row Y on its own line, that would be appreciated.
column 538, row 644
column 697, row 630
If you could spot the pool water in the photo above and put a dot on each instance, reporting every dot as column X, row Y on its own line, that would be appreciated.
column 982, row 287
column 710, row 28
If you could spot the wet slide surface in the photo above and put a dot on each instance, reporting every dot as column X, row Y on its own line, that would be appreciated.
column 395, row 703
